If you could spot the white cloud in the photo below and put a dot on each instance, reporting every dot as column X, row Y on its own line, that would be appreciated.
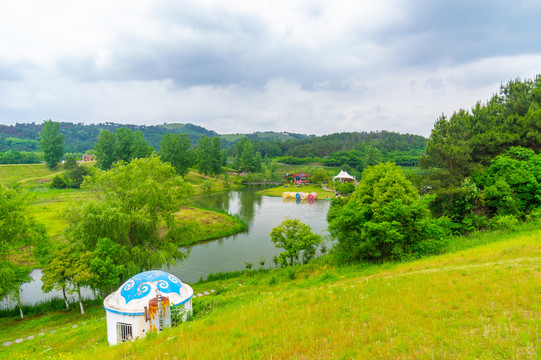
column 241, row 66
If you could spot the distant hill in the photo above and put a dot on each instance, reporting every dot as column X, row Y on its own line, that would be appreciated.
column 82, row 137
column 267, row 135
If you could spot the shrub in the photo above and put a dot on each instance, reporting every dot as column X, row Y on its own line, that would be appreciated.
column 59, row 182
column 474, row 222
column 294, row 237
column 504, row 222
column 345, row 188
column 385, row 219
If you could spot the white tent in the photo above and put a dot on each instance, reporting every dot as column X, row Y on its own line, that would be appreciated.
column 344, row 177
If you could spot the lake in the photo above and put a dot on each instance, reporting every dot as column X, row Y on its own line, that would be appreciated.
column 230, row 253
column 262, row 213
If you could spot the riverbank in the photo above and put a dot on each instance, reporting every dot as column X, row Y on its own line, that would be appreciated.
column 480, row 300
column 204, row 225
column 48, row 206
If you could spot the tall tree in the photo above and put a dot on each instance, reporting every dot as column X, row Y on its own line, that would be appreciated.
column 177, row 150
column 16, row 229
column 132, row 204
column 105, row 150
column 217, row 156
column 51, row 143
column 124, row 144
column 246, row 158
column 204, row 155
column 140, row 148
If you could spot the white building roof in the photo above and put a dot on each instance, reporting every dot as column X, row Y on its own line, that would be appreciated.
column 132, row 297
column 343, row 175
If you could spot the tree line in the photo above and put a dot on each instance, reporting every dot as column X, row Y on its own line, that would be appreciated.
column 482, row 171
column 289, row 148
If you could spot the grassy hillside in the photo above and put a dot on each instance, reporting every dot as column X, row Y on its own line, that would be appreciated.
column 479, row 303
column 267, row 135
column 24, row 172
column 48, row 206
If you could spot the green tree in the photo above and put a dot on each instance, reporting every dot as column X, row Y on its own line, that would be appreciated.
column 319, row 176
column 68, row 270
column 71, row 163
column 140, row 148
column 448, row 150
column 246, row 158
column 512, row 183
column 59, row 182
column 217, row 156
column 124, row 144
column 384, row 219
column 74, row 177
column 107, row 262
column 55, row 274
column 51, row 143
column 294, row 237
column 16, row 229
column 105, row 150
column 133, row 202
column 345, row 187
column 177, row 150
column 204, row 155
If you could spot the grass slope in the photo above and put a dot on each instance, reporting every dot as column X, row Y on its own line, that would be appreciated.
column 478, row 303
column 25, row 172
column 48, row 206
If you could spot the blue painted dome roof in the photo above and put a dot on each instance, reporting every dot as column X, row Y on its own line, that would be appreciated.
column 135, row 293
column 140, row 286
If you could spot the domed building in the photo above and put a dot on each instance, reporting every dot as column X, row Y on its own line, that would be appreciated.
column 144, row 303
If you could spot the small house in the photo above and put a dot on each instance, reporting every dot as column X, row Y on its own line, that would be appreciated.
column 144, row 303
column 297, row 178
column 88, row 157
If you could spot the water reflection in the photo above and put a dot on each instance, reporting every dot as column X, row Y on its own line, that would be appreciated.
column 31, row 293
column 262, row 213
column 237, row 202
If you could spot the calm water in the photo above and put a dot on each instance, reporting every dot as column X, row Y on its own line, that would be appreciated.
column 261, row 213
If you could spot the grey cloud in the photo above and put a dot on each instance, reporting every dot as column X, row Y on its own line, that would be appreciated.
column 10, row 72
column 435, row 33
column 222, row 49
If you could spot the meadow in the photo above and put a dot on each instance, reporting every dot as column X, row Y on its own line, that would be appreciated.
column 481, row 300
column 49, row 206
column 23, row 173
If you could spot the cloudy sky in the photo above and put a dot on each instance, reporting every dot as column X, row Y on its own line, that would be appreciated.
column 314, row 67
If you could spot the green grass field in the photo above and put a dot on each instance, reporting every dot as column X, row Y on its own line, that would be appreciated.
column 49, row 206
column 25, row 172
column 481, row 302
column 211, row 224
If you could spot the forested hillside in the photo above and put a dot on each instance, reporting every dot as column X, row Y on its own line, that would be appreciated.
column 19, row 143
column 81, row 137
